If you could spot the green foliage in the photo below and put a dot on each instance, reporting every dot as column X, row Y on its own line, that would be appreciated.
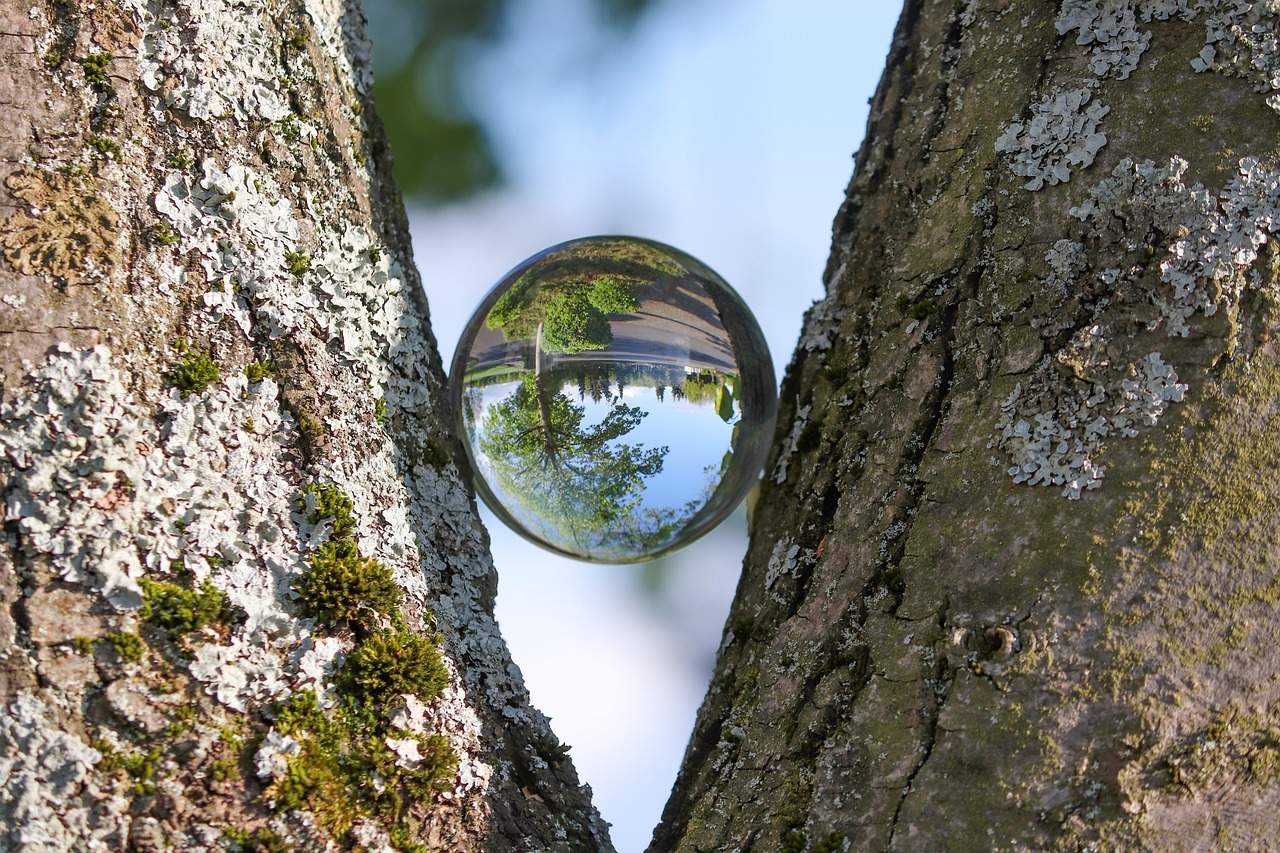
column 227, row 767
column 298, row 38
column 261, row 840
column 184, row 715
column 569, row 306
column 393, row 662
column 289, row 129
column 342, row 586
column 182, row 159
column 794, row 841
column 832, row 842
column 315, row 780
column 443, row 152
column 179, row 609
column 163, row 235
column 267, row 841
column 923, row 309
column 330, row 502
column 257, row 371
column 342, row 749
column 140, row 766
column 194, row 373
column 581, row 482
column 614, row 294
column 236, row 835
column 95, row 69
column 380, row 412
column 917, row 309
column 312, row 431
column 549, row 749
column 106, row 146
column 299, row 263
column 571, row 324
column 128, row 646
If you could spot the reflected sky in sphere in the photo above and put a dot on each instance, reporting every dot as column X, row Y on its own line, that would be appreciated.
column 617, row 399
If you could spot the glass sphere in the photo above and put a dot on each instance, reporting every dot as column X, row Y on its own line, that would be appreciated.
column 616, row 399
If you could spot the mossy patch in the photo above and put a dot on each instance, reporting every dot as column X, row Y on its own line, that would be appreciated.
column 139, row 765
column 341, row 586
column 95, row 70
column 180, row 609
column 162, row 234
column 256, row 841
column 195, row 373
column 128, row 646
column 298, row 263
column 345, row 769
column 289, row 129
column 298, row 38
column 1234, row 745
column 550, row 749
column 107, row 147
column 830, row 843
column 257, row 371
column 330, row 502
column 393, row 662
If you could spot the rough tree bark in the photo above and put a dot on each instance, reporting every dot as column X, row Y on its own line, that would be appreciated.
column 1014, row 587
column 225, row 463
column 1012, row 580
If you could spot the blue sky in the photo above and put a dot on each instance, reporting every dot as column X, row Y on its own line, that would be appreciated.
column 725, row 128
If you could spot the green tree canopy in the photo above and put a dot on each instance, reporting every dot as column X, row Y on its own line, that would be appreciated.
column 580, row 482
column 443, row 149
column 568, row 293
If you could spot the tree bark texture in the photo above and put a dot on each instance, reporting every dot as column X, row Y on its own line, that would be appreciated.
column 226, row 461
column 1012, row 578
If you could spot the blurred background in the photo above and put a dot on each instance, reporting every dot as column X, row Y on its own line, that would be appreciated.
column 725, row 128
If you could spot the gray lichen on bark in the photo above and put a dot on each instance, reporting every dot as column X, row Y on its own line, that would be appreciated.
column 209, row 306
column 928, row 649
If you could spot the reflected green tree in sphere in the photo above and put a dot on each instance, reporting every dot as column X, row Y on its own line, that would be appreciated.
column 616, row 397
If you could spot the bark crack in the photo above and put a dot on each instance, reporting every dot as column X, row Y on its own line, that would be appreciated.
column 946, row 75
column 942, row 679
column 915, row 449
column 49, row 329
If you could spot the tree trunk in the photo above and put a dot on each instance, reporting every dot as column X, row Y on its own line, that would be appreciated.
column 1011, row 582
column 226, row 461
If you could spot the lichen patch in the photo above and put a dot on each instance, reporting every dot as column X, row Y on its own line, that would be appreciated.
column 212, row 59
column 1111, row 28
column 71, row 455
column 1211, row 241
column 1061, row 133
column 1241, row 39
column 791, row 444
column 48, row 799
column 1053, row 432
column 70, row 232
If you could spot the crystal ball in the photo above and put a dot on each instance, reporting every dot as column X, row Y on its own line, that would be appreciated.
column 616, row 399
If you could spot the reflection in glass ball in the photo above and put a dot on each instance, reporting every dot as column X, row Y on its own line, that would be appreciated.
column 616, row 398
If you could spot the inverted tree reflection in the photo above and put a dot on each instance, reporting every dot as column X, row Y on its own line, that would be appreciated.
column 604, row 401
column 581, row 480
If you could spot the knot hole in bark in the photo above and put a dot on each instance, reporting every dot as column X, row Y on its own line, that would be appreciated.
column 988, row 643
